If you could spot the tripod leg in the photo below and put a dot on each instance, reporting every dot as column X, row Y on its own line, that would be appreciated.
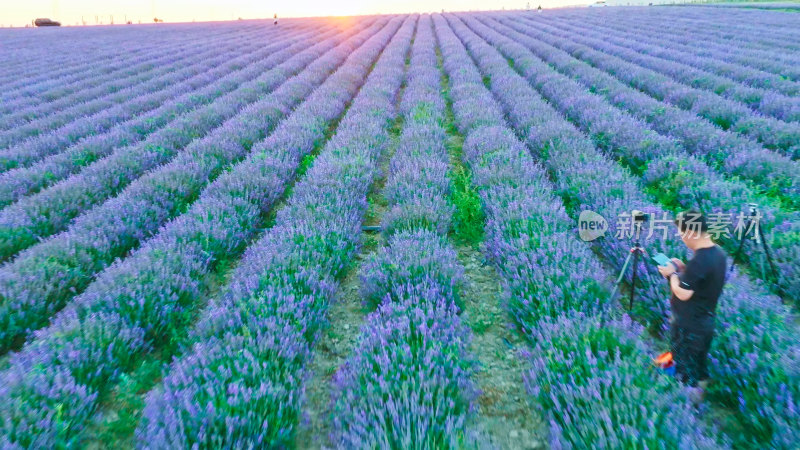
column 769, row 255
column 633, row 279
column 741, row 244
column 619, row 278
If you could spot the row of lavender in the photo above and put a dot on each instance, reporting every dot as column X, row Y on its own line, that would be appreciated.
column 48, row 212
column 589, row 371
column 720, row 28
column 756, row 359
column 147, row 300
column 770, row 5
column 704, row 101
column 748, row 26
column 242, row 383
column 737, row 26
column 765, row 101
column 24, row 104
column 712, row 60
column 663, row 163
column 407, row 385
column 40, row 280
column 104, row 48
column 27, row 112
column 30, row 116
column 147, row 112
column 727, row 151
column 731, row 46
column 90, row 62
column 180, row 100
column 71, row 121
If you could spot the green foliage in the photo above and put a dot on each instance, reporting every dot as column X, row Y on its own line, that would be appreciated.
column 422, row 112
column 469, row 217
column 305, row 164
column 127, row 402
column 595, row 380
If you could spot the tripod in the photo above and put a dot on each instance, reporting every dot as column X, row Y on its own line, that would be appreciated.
column 760, row 239
column 634, row 254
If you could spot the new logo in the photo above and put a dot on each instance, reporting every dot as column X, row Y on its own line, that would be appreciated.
column 591, row 225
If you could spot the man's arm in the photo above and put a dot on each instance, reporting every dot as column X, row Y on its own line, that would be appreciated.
column 683, row 285
column 675, row 286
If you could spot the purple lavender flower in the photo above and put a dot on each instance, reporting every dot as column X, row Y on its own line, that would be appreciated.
column 143, row 301
column 245, row 374
column 409, row 383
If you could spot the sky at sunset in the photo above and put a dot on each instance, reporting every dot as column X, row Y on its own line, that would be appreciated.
column 69, row 12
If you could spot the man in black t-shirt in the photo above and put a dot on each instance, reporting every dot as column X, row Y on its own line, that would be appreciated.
column 695, row 288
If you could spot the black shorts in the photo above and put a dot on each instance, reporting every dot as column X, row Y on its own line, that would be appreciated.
column 690, row 353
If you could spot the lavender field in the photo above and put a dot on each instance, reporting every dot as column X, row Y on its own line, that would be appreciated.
column 363, row 232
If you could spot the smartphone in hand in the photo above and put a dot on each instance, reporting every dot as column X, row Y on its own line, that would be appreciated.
column 662, row 259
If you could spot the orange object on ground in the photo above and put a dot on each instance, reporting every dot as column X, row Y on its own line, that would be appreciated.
column 664, row 360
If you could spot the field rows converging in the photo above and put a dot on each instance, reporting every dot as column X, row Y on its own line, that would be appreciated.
column 96, row 116
column 781, row 25
column 783, row 29
column 88, row 100
column 279, row 295
column 656, row 157
column 59, row 265
column 181, row 132
column 174, row 263
column 104, row 44
column 729, row 115
column 74, row 118
column 728, row 46
column 110, row 73
column 89, row 68
column 749, row 317
column 687, row 54
column 508, row 175
column 406, row 231
column 200, row 90
column 140, row 114
column 728, row 150
column 411, row 350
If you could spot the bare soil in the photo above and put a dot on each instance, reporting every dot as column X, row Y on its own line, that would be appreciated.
column 504, row 415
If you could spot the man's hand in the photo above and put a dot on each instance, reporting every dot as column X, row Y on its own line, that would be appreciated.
column 666, row 271
column 678, row 264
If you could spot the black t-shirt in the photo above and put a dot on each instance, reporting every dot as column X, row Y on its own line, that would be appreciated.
column 705, row 275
